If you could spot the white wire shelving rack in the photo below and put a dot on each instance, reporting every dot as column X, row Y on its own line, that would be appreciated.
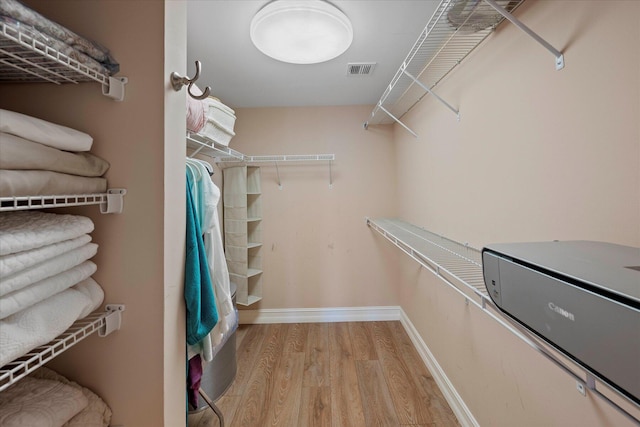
column 103, row 323
column 460, row 267
column 199, row 144
column 26, row 59
column 110, row 202
column 456, row 28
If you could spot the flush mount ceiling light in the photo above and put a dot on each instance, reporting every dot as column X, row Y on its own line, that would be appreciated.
column 301, row 31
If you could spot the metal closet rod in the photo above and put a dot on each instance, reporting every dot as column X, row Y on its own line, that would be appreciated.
column 291, row 158
column 295, row 158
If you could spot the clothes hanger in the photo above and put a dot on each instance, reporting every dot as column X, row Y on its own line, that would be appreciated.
column 207, row 165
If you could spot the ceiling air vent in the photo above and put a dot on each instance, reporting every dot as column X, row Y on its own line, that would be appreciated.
column 360, row 68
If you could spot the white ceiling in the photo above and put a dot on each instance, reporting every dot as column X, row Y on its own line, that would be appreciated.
column 241, row 76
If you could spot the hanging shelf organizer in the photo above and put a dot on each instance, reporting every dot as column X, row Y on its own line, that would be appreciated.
column 25, row 59
column 104, row 323
column 110, row 202
column 223, row 154
column 455, row 29
column 460, row 267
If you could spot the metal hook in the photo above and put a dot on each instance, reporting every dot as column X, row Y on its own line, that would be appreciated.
column 177, row 81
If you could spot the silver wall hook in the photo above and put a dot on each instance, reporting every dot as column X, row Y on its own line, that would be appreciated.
column 177, row 81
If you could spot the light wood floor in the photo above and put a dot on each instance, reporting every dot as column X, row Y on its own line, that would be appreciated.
column 357, row 374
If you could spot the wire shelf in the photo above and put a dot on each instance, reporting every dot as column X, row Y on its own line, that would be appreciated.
column 102, row 322
column 290, row 158
column 455, row 29
column 25, row 59
column 460, row 267
column 110, row 202
column 42, row 202
column 200, row 144
column 441, row 255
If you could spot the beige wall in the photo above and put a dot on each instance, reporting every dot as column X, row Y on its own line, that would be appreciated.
column 538, row 155
column 138, row 370
column 317, row 250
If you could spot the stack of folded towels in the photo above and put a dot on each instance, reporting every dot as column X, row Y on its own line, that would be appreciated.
column 45, row 278
column 47, row 399
column 42, row 158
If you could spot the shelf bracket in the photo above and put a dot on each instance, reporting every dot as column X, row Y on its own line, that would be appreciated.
column 113, row 320
column 558, row 55
column 278, row 175
column 397, row 120
column 197, row 150
column 115, row 88
column 423, row 86
column 591, row 381
column 330, row 176
column 115, row 201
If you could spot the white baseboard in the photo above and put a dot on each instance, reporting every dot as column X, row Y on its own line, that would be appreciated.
column 309, row 315
column 459, row 408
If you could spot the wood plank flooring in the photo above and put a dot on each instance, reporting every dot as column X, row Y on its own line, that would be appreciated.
column 356, row 374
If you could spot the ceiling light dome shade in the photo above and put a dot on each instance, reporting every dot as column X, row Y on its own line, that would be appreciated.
column 301, row 31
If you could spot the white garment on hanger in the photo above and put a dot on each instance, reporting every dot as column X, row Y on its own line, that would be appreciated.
column 210, row 226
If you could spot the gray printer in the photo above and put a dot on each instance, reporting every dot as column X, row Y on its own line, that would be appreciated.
column 581, row 297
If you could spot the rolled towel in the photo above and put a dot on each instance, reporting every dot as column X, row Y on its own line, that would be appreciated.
column 195, row 113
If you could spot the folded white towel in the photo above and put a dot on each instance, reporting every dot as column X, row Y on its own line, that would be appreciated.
column 94, row 292
column 23, row 154
column 39, row 291
column 44, row 132
column 96, row 414
column 48, row 268
column 42, row 322
column 16, row 183
column 37, row 402
column 25, row 230
column 14, row 263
